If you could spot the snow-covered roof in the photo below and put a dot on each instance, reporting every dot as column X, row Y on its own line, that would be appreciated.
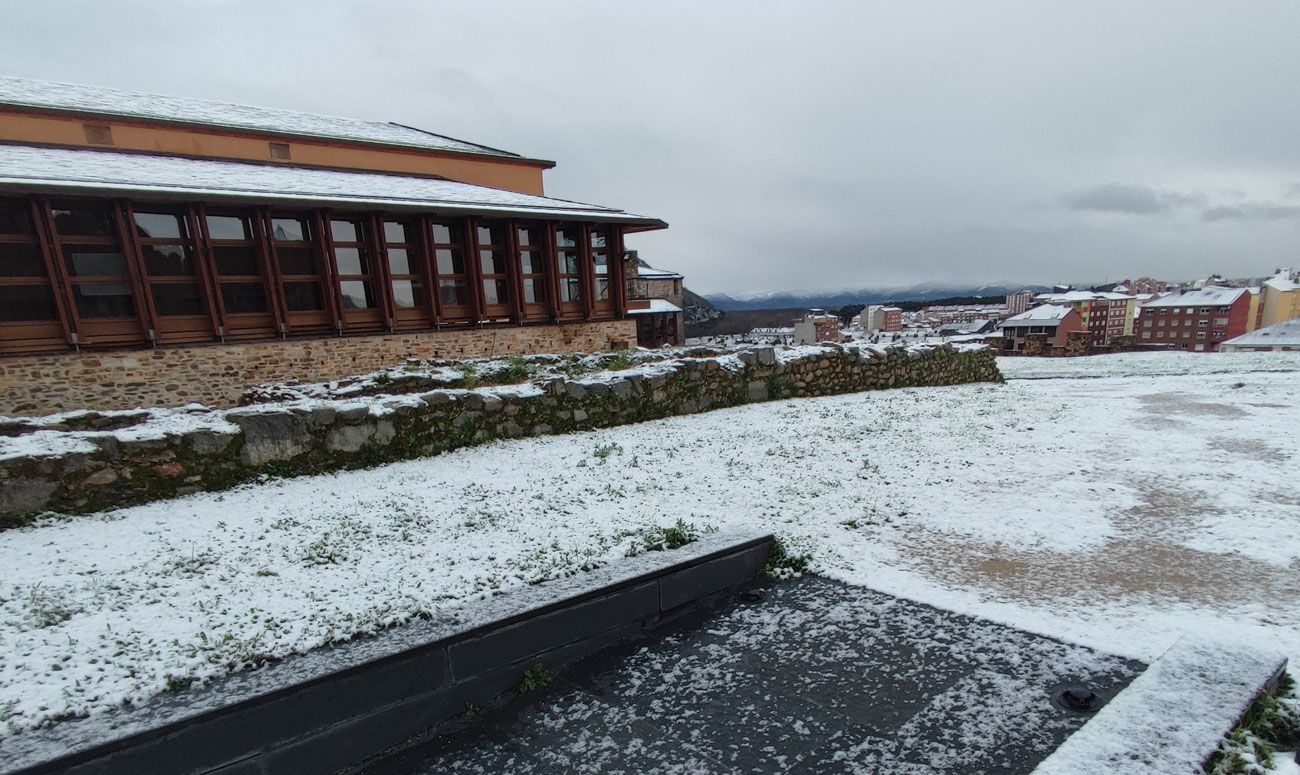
column 1205, row 297
column 656, row 306
column 95, row 100
column 966, row 326
column 1282, row 282
column 650, row 273
column 1285, row 333
column 1045, row 315
column 61, row 170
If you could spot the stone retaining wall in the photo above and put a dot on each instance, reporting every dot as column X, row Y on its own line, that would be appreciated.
column 218, row 374
column 222, row 448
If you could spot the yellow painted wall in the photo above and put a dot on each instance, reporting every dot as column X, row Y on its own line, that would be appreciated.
column 1279, row 306
column 41, row 129
column 1252, row 317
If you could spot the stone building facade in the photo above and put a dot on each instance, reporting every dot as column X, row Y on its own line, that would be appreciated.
column 217, row 375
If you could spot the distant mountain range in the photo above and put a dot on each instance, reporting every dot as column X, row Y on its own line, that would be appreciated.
column 832, row 300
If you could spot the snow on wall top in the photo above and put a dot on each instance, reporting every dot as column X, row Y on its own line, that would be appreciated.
column 110, row 171
column 75, row 98
column 1208, row 297
column 646, row 271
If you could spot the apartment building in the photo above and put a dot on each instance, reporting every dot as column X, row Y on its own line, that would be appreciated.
column 1105, row 314
column 1196, row 320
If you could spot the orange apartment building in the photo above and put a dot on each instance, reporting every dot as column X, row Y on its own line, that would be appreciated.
column 133, row 222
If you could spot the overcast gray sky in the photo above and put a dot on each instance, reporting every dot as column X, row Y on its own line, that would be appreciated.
column 792, row 146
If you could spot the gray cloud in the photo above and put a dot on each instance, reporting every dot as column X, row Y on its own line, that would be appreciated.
column 1128, row 198
column 1252, row 211
column 790, row 146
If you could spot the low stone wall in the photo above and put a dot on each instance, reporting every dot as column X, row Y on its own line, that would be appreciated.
column 77, row 471
column 218, row 374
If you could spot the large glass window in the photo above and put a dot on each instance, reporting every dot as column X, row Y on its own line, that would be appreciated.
column 238, row 260
column 296, row 256
column 492, row 266
column 402, row 253
column 532, row 263
column 600, row 262
column 26, row 294
column 353, row 263
column 449, row 263
column 95, row 262
column 567, row 266
column 167, row 250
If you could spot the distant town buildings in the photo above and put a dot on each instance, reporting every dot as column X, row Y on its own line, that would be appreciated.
column 880, row 318
column 942, row 314
column 1144, row 285
column 817, row 326
column 1018, row 302
column 1197, row 320
column 1048, row 324
column 781, row 335
column 1105, row 314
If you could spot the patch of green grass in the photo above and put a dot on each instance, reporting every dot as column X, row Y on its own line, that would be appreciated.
column 603, row 451
column 658, row 539
column 47, row 609
column 1271, row 722
column 618, row 362
column 535, row 678
column 782, row 563
column 517, row 371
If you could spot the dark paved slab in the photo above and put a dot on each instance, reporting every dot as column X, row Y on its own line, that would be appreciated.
column 816, row 677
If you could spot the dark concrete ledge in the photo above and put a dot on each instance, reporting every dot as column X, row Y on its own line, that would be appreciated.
column 323, row 711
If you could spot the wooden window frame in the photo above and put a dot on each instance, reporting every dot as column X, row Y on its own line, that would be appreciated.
column 545, row 309
column 120, row 331
column 598, row 308
column 421, row 315
column 466, row 312
column 498, row 311
column 303, row 321
column 376, row 316
column 21, row 336
column 266, row 253
column 170, row 329
column 572, row 309
column 240, row 325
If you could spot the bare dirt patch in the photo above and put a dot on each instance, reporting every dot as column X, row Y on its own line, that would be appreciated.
column 1144, row 559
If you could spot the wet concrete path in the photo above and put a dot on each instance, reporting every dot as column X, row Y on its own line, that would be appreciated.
column 813, row 677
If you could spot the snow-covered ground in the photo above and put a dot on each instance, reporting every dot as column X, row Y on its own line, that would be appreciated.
column 1118, row 512
column 1147, row 364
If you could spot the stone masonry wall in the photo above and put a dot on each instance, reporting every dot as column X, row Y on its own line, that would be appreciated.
column 218, row 374
column 104, row 469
